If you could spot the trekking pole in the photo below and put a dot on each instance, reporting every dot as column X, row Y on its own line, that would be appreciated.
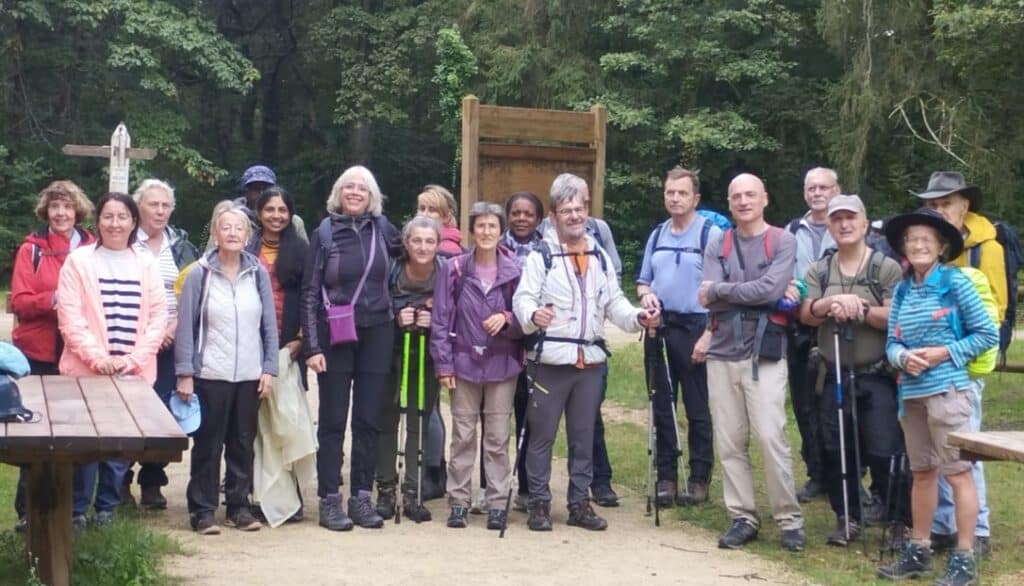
column 532, row 380
column 842, row 435
column 652, row 435
column 681, row 462
column 403, row 404
column 421, row 412
column 897, row 509
column 848, row 334
column 888, row 503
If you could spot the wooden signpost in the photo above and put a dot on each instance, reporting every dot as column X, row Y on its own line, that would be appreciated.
column 119, row 151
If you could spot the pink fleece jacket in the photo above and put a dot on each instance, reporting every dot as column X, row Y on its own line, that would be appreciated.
column 82, row 321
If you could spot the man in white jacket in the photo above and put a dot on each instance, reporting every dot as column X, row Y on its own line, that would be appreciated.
column 567, row 288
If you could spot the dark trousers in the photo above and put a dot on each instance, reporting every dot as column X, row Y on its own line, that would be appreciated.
column 357, row 374
column 802, row 379
column 878, row 433
column 229, row 426
column 152, row 473
column 691, row 381
column 39, row 369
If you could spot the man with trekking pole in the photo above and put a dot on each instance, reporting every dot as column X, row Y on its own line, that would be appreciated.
column 568, row 287
column 670, row 274
column 848, row 298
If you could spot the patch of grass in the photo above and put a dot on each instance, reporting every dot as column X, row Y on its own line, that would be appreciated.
column 127, row 553
column 1003, row 408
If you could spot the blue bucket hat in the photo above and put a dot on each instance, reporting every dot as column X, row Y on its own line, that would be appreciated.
column 259, row 173
column 188, row 415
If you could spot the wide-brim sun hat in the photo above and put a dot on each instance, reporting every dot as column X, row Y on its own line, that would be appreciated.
column 897, row 226
column 188, row 415
column 943, row 183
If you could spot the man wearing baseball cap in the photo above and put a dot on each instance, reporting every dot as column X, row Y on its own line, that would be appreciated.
column 254, row 181
column 849, row 293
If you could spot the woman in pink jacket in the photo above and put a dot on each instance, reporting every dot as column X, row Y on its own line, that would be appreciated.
column 112, row 313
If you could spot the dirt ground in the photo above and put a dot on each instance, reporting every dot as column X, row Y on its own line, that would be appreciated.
column 632, row 550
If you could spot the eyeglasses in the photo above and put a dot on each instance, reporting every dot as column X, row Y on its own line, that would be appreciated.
column 920, row 240
column 361, row 188
column 570, row 212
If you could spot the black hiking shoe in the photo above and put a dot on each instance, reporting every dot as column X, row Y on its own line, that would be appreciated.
column 793, row 539
column 914, row 561
column 540, row 516
column 982, row 547
column 810, row 491
column 837, row 537
column 604, row 496
column 942, row 542
column 243, row 520
column 665, row 494
column 332, row 516
column 960, row 570
column 741, row 532
column 386, row 500
column 204, row 524
column 152, row 498
column 874, row 512
column 362, row 512
column 582, row 515
column 414, row 511
column 696, row 493
column 457, row 519
column 496, row 519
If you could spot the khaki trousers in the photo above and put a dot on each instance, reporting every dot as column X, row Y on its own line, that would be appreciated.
column 741, row 407
column 466, row 401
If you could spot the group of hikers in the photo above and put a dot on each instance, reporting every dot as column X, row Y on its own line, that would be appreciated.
column 882, row 344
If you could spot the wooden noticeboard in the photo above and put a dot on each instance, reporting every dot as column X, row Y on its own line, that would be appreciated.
column 505, row 150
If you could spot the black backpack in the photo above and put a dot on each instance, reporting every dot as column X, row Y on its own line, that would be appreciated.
column 1013, row 257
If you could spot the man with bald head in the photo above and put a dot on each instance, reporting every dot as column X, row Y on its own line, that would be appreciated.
column 746, row 272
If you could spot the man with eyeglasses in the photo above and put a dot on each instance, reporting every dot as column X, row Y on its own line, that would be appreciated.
column 568, row 287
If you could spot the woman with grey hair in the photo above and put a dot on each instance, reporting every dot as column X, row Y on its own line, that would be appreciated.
column 226, row 354
column 173, row 251
column 346, row 278
column 475, row 343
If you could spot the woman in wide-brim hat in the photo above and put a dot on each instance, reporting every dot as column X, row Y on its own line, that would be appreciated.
column 937, row 324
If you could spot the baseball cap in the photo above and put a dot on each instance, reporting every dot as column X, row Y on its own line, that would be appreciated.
column 188, row 415
column 259, row 173
column 850, row 203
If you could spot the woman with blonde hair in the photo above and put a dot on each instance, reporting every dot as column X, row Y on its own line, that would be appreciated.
column 439, row 204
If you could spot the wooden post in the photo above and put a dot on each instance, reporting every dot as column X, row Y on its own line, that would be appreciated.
column 119, row 151
column 470, row 161
column 600, row 139
column 49, row 521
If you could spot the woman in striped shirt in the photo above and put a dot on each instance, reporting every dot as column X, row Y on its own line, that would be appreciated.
column 937, row 324
column 112, row 312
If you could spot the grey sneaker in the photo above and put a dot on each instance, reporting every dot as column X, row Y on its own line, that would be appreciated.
column 386, row 501
column 914, row 561
column 982, row 547
column 583, row 515
column 665, row 494
column 793, row 539
column 363, row 513
column 79, row 523
column 332, row 516
column 960, row 570
column 103, row 518
column 837, row 537
column 696, row 493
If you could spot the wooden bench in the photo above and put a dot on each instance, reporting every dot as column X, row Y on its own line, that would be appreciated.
column 989, row 445
column 85, row 419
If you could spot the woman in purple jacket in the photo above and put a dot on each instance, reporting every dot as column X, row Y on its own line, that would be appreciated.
column 475, row 343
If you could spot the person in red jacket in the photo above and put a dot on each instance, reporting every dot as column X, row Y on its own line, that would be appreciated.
column 63, row 207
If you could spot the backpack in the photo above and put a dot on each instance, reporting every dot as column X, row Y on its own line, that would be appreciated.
column 717, row 218
column 985, row 362
column 870, row 280
column 727, row 246
column 1013, row 257
column 679, row 250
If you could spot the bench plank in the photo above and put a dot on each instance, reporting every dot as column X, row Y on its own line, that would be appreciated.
column 115, row 426
column 989, row 445
column 70, row 421
column 158, row 427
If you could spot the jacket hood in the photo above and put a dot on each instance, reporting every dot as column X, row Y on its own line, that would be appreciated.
column 41, row 237
column 979, row 229
column 451, row 234
column 211, row 261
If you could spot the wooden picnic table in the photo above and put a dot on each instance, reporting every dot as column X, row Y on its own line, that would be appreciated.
column 989, row 445
column 81, row 420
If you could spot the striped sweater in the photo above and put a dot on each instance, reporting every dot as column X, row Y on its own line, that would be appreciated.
column 919, row 319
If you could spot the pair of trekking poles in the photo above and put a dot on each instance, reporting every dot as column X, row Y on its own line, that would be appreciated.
column 403, row 406
column 658, row 355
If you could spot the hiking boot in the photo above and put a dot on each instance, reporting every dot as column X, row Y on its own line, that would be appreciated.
column 793, row 539
column 332, row 516
column 479, row 505
column 810, row 491
column 79, row 523
column 521, row 503
column 741, row 532
column 874, row 513
column 125, row 495
column 413, row 510
column 540, row 516
column 696, row 493
column 604, row 496
column 457, row 518
column 386, row 500
column 942, row 542
column 960, row 570
column 103, row 518
column 152, row 498
column 837, row 537
column 665, row 494
column 362, row 513
column 982, row 547
column 243, row 520
column 203, row 524
column 21, row 525
column 583, row 515
column 496, row 519
column 914, row 561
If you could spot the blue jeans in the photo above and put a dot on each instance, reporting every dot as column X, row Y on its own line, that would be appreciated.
column 944, row 521
column 108, row 489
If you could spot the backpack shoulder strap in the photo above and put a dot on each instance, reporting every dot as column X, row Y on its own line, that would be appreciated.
column 974, row 256
column 705, row 230
column 324, row 233
column 874, row 270
column 37, row 256
column 793, row 225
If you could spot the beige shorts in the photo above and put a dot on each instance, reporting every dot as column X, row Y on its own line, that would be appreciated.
column 927, row 421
